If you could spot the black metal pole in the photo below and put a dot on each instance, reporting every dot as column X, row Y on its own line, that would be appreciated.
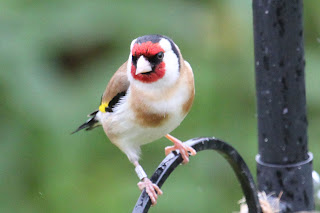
column 283, row 164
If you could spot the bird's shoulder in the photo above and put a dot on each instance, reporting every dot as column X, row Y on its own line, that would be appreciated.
column 116, row 88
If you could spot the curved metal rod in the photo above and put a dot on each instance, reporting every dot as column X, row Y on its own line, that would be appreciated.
column 228, row 152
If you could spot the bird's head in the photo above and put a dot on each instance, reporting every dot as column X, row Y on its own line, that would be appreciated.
column 154, row 60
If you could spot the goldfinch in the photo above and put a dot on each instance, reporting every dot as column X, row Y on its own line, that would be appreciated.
column 146, row 99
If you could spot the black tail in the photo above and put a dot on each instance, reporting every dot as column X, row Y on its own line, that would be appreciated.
column 89, row 124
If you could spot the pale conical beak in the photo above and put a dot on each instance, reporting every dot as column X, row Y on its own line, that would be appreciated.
column 143, row 65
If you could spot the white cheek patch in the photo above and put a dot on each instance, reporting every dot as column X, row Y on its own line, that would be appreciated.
column 172, row 67
column 130, row 78
column 171, row 62
column 165, row 44
column 132, row 43
column 130, row 60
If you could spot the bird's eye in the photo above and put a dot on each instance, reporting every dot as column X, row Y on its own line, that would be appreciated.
column 160, row 55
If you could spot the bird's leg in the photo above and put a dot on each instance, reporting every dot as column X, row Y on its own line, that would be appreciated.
column 183, row 148
column 145, row 183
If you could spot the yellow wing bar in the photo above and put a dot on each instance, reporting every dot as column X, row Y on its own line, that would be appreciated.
column 103, row 106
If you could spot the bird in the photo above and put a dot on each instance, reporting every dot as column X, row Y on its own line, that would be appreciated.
column 146, row 99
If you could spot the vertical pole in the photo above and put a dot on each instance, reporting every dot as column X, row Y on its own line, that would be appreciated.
column 283, row 163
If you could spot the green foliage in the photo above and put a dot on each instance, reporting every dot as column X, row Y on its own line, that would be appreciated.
column 56, row 58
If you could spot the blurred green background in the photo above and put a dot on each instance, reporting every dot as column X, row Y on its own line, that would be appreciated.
column 56, row 58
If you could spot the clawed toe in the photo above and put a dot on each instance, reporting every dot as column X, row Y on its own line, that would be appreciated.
column 152, row 190
column 183, row 149
column 169, row 149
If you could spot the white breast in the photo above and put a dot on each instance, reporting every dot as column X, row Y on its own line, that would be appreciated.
column 128, row 135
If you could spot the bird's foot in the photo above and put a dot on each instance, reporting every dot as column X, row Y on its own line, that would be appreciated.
column 183, row 149
column 151, row 189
